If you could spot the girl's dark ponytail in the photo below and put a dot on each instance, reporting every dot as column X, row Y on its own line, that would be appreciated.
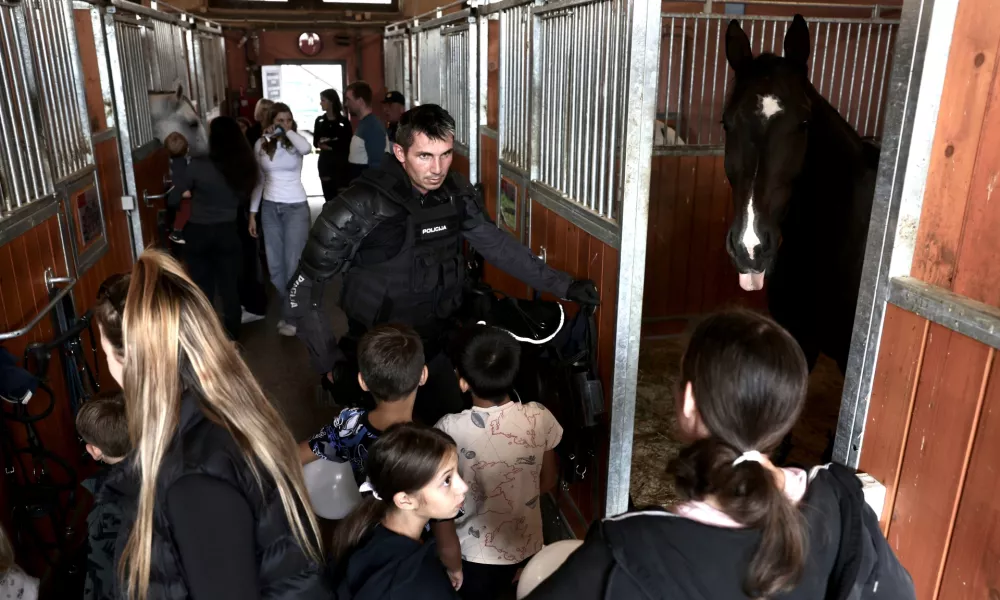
column 747, row 493
column 748, row 378
column 357, row 525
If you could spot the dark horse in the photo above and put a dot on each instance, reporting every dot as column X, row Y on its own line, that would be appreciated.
column 802, row 181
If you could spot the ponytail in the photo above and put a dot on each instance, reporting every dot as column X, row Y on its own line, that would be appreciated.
column 748, row 494
column 357, row 525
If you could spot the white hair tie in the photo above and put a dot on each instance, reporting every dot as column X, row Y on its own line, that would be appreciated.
column 749, row 456
column 367, row 487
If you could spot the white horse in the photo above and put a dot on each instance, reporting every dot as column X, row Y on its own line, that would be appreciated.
column 173, row 112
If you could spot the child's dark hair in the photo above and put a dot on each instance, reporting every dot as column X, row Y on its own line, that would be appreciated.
column 749, row 379
column 101, row 422
column 110, row 308
column 404, row 459
column 391, row 361
column 488, row 360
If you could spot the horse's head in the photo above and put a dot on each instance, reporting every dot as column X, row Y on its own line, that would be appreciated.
column 767, row 129
column 172, row 112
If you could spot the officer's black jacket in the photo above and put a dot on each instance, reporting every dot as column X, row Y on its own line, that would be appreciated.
column 366, row 224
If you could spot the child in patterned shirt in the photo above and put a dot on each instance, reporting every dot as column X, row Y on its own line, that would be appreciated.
column 506, row 453
column 391, row 367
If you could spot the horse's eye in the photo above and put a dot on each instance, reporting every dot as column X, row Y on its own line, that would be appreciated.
column 193, row 123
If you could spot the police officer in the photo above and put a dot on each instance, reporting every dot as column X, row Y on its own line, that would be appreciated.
column 396, row 235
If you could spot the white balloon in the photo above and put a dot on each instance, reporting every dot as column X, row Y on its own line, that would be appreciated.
column 544, row 564
column 332, row 489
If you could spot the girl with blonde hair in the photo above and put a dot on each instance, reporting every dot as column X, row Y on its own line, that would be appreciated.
column 14, row 583
column 223, row 510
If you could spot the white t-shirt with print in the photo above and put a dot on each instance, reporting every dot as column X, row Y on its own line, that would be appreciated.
column 500, row 451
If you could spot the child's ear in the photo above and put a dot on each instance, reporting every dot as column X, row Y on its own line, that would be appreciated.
column 361, row 382
column 463, row 384
column 94, row 452
column 404, row 501
column 423, row 376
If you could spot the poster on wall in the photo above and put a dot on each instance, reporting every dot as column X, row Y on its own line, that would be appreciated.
column 272, row 81
column 508, row 206
column 90, row 223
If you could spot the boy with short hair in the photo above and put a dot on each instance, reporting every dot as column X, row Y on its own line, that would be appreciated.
column 177, row 147
column 102, row 424
column 391, row 367
column 506, row 455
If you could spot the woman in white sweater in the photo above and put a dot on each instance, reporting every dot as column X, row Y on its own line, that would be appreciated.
column 281, row 200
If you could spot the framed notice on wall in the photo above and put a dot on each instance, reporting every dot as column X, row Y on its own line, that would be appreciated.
column 85, row 221
column 508, row 211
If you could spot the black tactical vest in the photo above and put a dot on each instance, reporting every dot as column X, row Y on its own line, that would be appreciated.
column 423, row 283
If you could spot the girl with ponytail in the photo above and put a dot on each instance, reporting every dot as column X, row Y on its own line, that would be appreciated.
column 745, row 529
column 222, row 508
column 380, row 550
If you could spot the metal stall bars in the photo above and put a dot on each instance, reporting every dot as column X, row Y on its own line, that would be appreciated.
column 25, row 173
column 396, row 50
column 447, row 74
column 579, row 111
column 849, row 66
column 209, row 67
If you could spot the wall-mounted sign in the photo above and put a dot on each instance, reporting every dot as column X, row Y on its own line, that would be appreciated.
column 310, row 44
column 272, row 81
column 90, row 222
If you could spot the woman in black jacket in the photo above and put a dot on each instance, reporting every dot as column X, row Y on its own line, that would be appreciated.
column 332, row 137
column 746, row 528
column 222, row 508
column 219, row 186
column 380, row 549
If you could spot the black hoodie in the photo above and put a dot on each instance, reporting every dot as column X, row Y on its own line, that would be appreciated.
column 659, row 555
column 389, row 566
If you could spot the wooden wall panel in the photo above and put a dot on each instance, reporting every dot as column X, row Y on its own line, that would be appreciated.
column 149, row 174
column 949, row 392
column 460, row 164
column 973, row 567
column 892, row 400
column 493, row 77
column 88, row 59
column 688, row 271
column 490, row 173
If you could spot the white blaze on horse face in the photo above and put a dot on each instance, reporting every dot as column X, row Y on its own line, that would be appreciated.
column 768, row 106
column 749, row 238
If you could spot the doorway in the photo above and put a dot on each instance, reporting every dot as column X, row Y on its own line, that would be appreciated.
column 298, row 85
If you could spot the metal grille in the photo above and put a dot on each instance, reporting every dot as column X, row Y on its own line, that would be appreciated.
column 849, row 67
column 455, row 79
column 24, row 173
column 136, row 80
column 396, row 60
column 582, row 57
column 53, row 42
column 430, row 54
column 212, row 68
column 515, row 86
column 169, row 67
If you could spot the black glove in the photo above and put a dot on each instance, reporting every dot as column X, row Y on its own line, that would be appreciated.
column 583, row 291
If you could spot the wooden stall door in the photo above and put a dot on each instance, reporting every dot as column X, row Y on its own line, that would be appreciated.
column 932, row 434
column 149, row 179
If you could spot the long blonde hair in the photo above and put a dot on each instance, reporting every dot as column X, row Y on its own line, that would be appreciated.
column 174, row 340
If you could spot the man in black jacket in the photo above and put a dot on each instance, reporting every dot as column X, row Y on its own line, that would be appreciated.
column 397, row 236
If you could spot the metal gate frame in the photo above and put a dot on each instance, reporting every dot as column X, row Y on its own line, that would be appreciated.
column 128, row 91
column 917, row 80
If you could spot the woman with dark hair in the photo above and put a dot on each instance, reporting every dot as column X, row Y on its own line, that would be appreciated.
column 744, row 528
column 379, row 550
column 219, row 185
column 332, row 137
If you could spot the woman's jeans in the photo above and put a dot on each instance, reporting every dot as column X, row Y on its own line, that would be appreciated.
column 286, row 229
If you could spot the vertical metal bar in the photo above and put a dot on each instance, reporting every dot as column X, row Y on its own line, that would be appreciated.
column 813, row 54
column 822, row 71
column 701, row 99
column 885, row 77
column 864, row 73
column 504, row 86
column 15, row 165
column 690, row 109
column 599, row 62
column 753, row 32
column 854, row 67
column 616, row 126
column 606, row 70
column 843, row 68
column 871, row 96
column 38, row 162
column 643, row 40
column 680, row 77
column 16, row 104
column 712, row 125
column 670, row 72
column 562, row 26
column 536, row 56
column 833, row 67
column 774, row 35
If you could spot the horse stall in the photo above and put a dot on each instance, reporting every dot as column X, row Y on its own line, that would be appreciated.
column 583, row 214
column 76, row 151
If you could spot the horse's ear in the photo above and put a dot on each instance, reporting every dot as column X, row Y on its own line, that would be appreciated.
column 738, row 51
column 797, row 41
